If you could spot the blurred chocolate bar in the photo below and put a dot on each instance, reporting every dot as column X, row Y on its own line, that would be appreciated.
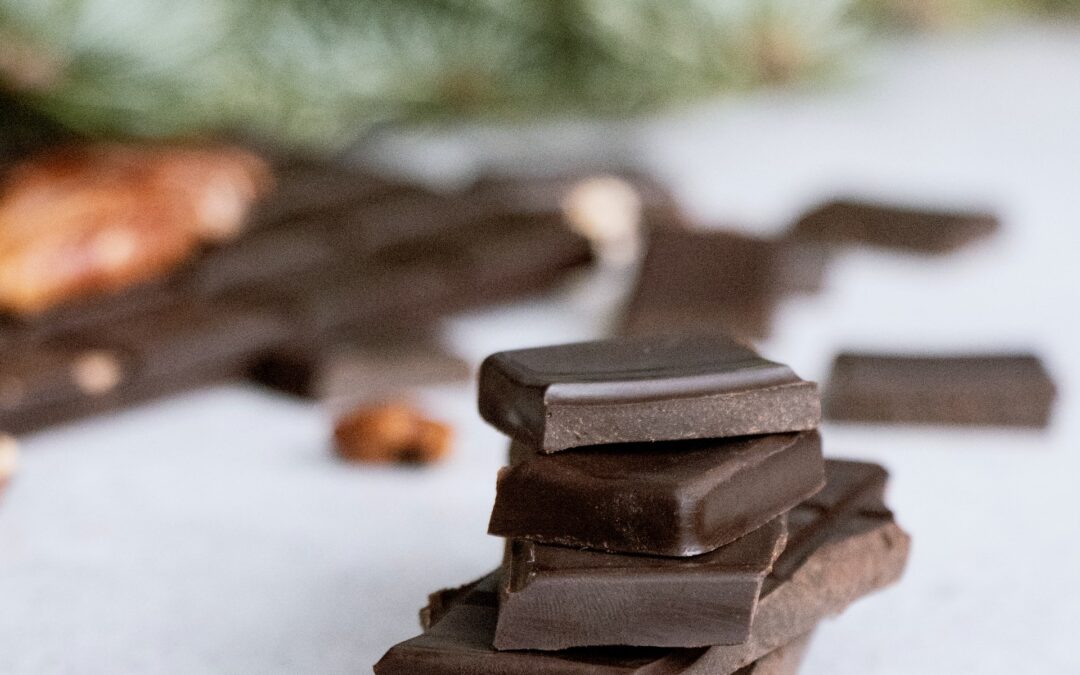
column 332, row 261
column 923, row 230
column 718, row 281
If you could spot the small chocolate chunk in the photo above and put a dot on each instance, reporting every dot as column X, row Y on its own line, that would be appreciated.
column 671, row 499
column 979, row 390
column 553, row 597
column 847, row 221
column 642, row 389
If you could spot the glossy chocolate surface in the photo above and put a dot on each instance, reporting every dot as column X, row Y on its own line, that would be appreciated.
column 670, row 499
column 630, row 390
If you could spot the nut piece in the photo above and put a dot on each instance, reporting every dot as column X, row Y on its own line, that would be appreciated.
column 96, row 372
column 99, row 218
column 391, row 432
column 9, row 458
column 606, row 210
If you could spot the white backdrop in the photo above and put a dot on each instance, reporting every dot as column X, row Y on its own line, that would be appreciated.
column 211, row 532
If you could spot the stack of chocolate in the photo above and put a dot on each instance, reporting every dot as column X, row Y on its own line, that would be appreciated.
column 667, row 510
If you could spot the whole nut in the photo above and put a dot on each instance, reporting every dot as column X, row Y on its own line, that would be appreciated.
column 392, row 432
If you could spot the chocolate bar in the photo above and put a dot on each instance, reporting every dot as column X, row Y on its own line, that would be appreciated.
column 129, row 361
column 674, row 499
column 694, row 281
column 642, row 389
column 987, row 389
column 848, row 551
column 847, row 221
column 332, row 255
column 553, row 597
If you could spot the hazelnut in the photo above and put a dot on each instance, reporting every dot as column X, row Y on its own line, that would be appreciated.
column 390, row 432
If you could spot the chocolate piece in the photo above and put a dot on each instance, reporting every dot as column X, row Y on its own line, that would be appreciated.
column 891, row 226
column 641, row 389
column 988, row 389
column 678, row 499
column 49, row 375
column 838, row 550
column 552, row 597
column 222, row 339
column 705, row 281
column 860, row 551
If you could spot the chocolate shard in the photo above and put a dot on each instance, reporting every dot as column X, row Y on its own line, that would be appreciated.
column 642, row 389
column 681, row 499
column 861, row 551
column 850, row 221
column 553, row 597
column 986, row 389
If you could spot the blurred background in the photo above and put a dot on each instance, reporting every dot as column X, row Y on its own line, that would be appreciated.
column 224, row 224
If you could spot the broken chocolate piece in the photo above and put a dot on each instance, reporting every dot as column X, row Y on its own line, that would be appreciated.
column 642, row 389
column 987, row 389
column 848, row 221
column 861, row 551
column 553, row 597
column 673, row 499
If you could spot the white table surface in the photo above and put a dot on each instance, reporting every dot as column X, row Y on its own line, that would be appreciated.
column 212, row 533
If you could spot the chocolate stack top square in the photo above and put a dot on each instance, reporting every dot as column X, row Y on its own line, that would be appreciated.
column 642, row 389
